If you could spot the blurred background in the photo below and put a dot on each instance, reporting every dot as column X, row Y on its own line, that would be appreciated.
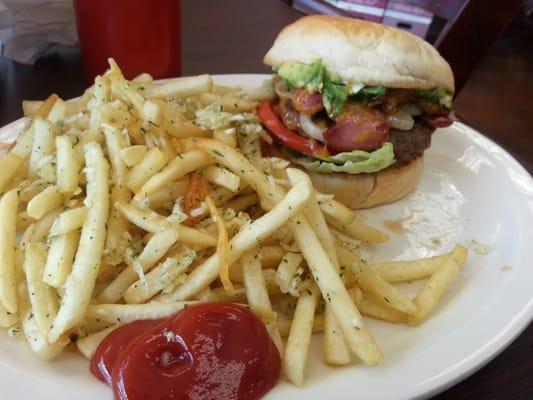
column 491, row 52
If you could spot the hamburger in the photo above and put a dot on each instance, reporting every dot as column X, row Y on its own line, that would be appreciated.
column 356, row 104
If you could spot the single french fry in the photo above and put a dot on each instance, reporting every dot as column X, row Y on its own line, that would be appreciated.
column 8, row 231
column 407, row 271
column 68, row 165
column 269, row 275
column 359, row 230
column 287, row 270
column 284, row 324
column 381, row 291
column 80, row 283
column 60, row 258
column 57, row 111
column 428, row 297
column 115, row 143
column 167, row 195
column 87, row 345
column 42, row 226
column 133, row 155
column 261, row 93
column 159, row 278
column 371, row 308
column 69, row 220
column 336, row 350
column 222, row 177
column 43, row 298
column 152, row 222
column 43, row 144
column 154, row 250
column 356, row 294
column 151, row 114
column 38, row 342
column 29, row 191
column 23, row 220
column 257, row 293
column 9, row 165
column 42, row 108
column 241, row 203
column 221, row 89
column 222, row 245
column 143, row 78
column 271, row 256
column 145, row 219
column 7, row 319
column 220, row 294
column 297, row 349
column 229, row 103
column 46, row 201
column 150, row 165
column 124, row 313
column 185, row 129
column 117, row 225
column 30, row 107
column 337, row 211
column 226, row 135
column 181, row 87
column 347, row 256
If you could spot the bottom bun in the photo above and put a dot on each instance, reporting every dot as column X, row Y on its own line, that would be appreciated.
column 369, row 190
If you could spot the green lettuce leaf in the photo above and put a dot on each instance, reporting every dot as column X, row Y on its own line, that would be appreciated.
column 316, row 78
column 298, row 75
column 354, row 162
column 369, row 93
column 438, row 95
column 334, row 96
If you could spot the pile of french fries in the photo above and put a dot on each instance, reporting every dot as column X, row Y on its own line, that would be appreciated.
column 94, row 231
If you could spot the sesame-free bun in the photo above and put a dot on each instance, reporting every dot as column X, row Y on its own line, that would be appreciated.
column 369, row 190
column 363, row 52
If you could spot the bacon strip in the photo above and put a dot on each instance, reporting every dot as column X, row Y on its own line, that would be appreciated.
column 307, row 102
column 441, row 121
column 361, row 129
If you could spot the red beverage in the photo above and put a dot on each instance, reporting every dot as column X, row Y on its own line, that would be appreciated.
column 141, row 35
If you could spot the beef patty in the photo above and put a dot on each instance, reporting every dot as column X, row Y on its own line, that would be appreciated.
column 411, row 144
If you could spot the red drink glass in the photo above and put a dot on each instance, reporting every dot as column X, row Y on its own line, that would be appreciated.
column 141, row 35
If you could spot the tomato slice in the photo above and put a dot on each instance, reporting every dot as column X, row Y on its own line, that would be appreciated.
column 289, row 138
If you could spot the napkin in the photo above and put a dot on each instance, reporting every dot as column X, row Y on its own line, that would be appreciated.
column 28, row 28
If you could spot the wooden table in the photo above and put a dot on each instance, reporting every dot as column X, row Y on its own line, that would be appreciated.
column 231, row 37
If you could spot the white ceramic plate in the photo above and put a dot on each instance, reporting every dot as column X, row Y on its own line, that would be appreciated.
column 472, row 191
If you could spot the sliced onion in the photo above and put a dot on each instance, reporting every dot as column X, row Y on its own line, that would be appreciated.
column 313, row 130
column 412, row 108
column 401, row 120
column 282, row 90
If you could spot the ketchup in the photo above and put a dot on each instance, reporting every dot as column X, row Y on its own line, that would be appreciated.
column 107, row 353
column 206, row 351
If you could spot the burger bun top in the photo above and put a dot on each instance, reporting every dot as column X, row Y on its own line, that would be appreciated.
column 363, row 52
